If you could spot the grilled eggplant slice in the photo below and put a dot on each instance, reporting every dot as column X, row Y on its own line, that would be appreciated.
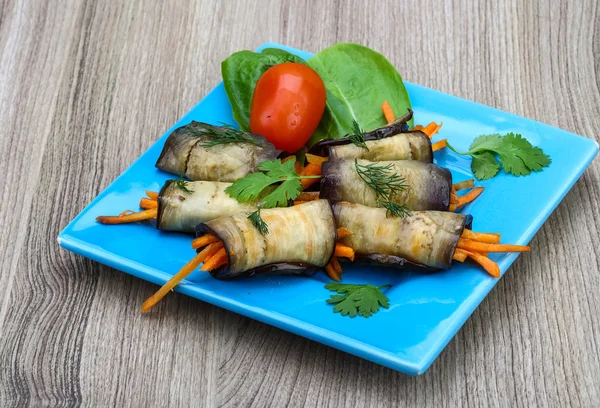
column 427, row 185
column 390, row 142
column 181, row 211
column 425, row 238
column 184, row 154
column 301, row 239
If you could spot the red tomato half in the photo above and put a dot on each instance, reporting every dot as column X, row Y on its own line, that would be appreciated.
column 287, row 105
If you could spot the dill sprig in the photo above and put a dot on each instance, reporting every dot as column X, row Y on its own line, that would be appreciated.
column 393, row 209
column 358, row 137
column 381, row 179
column 182, row 185
column 258, row 222
column 223, row 134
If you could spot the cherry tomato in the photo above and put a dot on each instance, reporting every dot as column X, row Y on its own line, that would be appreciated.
column 287, row 105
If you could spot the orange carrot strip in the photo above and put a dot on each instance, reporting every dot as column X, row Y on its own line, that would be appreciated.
column 481, row 237
column 388, row 112
column 336, row 265
column 463, row 185
column 343, row 232
column 204, row 240
column 439, row 145
column 453, row 196
column 452, row 207
column 417, row 127
column 175, row 279
column 153, row 195
column 218, row 259
column 147, row 203
column 298, row 167
column 471, row 245
column 288, row 158
column 311, row 169
column 490, row 266
column 459, row 255
column 469, row 197
column 126, row 212
column 314, row 159
column 344, row 251
column 330, row 271
column 123, row 219
column 298, row 202
column 432, row 129
column 308, row 196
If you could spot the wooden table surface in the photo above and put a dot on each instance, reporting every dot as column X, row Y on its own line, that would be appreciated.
column 87, row 86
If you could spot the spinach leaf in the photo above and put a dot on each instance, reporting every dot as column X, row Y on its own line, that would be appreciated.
column 240, row 73
column 357, row 80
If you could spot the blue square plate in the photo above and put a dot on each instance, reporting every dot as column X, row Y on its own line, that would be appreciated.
column 425, row 310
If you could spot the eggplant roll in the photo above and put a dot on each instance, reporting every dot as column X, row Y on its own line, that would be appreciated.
column 424, row 238
column 301, row 239
column 207, row 200
column 427, row 185
column 183, row 154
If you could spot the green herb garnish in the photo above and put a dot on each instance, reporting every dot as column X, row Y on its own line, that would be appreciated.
column 258, row 222
column 516, row 155
column 250, row 188
column 182, row 185
column 358, row 137
column 222, row 135
column 357, row 299
column 393, row 209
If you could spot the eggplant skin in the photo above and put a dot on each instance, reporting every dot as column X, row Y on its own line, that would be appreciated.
column 183, row 154
column 181, row 211
column 301, row 240
column 428, row 186
column 426, row 238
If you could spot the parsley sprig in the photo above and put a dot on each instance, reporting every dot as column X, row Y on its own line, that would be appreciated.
column 252, row 187
column 358, row 136
column 223, row 134
column 386, row 184
column 355, row 299
column 515, row 153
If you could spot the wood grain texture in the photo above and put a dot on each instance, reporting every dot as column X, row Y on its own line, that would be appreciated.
column 87, row 86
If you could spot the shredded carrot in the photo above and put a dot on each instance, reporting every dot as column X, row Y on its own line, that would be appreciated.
column 432, row 129
column 336, row 265
column 123, row 219
column 475, row 246
column 388, row 112
column 330, row 270
column 417, row 127
column 152, row 195
column 298, row 167
column 439, row 145
column 490, row 266
column 311, row 169
column 308, row 196
column 204, row 240
column 343, row 232
column 218, row 259
column 469, row 197
column 463, row 185
column 490, row 238
column 459, row 255
column 126, row 212
column 453, row 196
column 344, row 251
column 298, row 202
column 288, row 158
column 314, row 159
column 147, row 203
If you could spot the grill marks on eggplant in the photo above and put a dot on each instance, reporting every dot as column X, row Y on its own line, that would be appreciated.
column 426, row 238
column 428, row 186
column 301, row 240
column 184, row 154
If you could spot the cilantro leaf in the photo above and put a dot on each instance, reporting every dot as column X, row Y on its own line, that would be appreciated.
column 353, row 299
column 252, row 187
column 484, row 165
column 515, row 153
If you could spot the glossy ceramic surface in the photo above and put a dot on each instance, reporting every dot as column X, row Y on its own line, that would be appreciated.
column 425, row 310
